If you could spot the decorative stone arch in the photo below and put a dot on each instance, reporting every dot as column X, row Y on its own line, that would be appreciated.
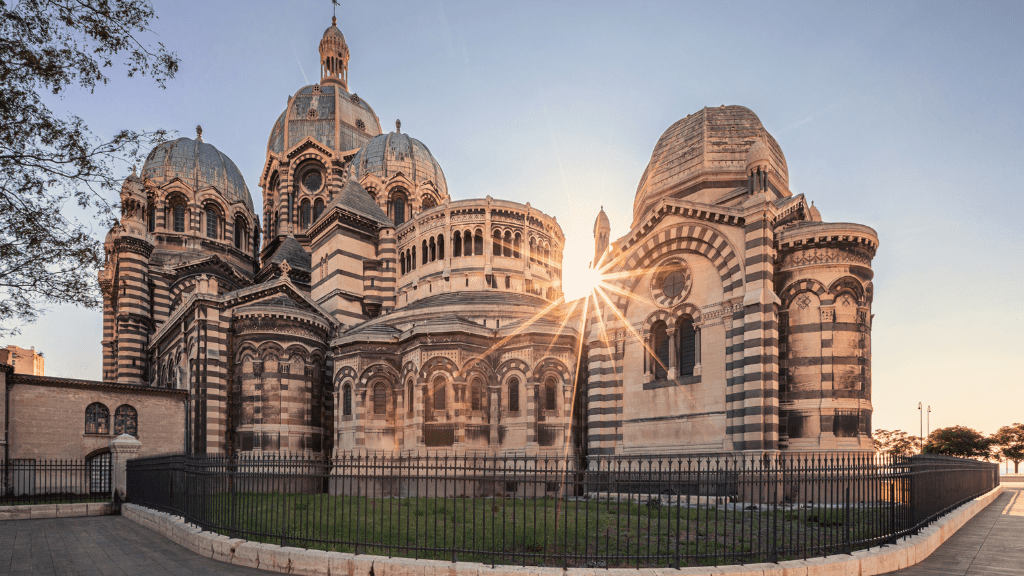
column 848, row 284
column 506, row 379
column 239, row 216
column 549, row 366
column 298, row 349
column 692, row 238
column 345, row 374
column 376, row 370
column 687, row 309
column 270, row 348
column 666, row 316
column 511, row 365
column 796, row 288
column 437, row 364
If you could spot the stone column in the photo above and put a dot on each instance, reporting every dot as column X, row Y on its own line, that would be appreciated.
column 122, row 449
column 673, row 352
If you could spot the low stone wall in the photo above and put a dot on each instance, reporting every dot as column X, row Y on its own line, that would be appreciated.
column 301, row 561
column 35, row 511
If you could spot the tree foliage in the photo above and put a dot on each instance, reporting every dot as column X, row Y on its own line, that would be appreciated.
column 958, row 441
column 896, row 442
column 49, row 164
column 1008, row 442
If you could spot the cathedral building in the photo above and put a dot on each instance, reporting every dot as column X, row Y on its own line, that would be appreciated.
column 363, row 310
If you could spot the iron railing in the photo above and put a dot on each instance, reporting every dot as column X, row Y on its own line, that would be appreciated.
column 606, row 512
column 30, row 481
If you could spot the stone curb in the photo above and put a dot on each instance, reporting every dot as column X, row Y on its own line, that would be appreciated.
column 304, row 562
column 36, row 511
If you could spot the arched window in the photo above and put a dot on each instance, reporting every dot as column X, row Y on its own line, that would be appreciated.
column 456, row 245
column 440, row 247
column 211, row 223
column 477, row 395
column 413, row 260
column 687, row 345
column 318, row 209
column 496, row 243
column 508, row 282
column 346, row 400
column 550, row 401
column 478, row 243
column 409, row 392
column 533, row 249
column 97, row 419
column 240, row 230
column 659, row 344
column 467, row 243
column 513, row 395
column 440, row 395
column 428, row 201
column 517, row 243
column 126, row 420
column 398, row 210
column 152, row 217
column 304, row 214
column 380, row 399
column 433, row 250
column 402, row 263
column 178, row 216
column 506, row 246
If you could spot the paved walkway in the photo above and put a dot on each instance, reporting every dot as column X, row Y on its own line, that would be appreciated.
column 100, row 545
column 991, row 544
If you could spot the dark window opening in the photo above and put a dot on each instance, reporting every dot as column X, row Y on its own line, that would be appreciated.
column 126, row 420
column 346, row 400
column 687, row 347
column 659, row 343
column 380, row 399
column 211, row 223
column 97, row 419
column 550, row 402
column 513, row 395
column 179, row 218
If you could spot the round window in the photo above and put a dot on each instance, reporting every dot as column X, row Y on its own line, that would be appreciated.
column 673, row 284
column 312, row 181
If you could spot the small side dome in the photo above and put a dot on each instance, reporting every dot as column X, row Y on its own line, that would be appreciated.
column 199, row 165
column 388, row 155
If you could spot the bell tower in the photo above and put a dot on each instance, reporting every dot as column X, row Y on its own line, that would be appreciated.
column 334, row 56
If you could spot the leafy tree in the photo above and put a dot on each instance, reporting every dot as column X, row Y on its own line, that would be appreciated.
column 958, row 441
column 1009, row 443
column 896, row 442
column 48, row 163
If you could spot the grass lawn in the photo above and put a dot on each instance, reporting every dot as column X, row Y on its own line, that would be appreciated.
column 541, row 531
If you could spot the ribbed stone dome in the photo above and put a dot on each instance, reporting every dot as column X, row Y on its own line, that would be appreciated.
column 338, row 120
column 710, row 146
column 199, row 165
column 389, row 154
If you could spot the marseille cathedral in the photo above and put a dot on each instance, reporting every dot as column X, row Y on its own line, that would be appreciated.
column 362, row 309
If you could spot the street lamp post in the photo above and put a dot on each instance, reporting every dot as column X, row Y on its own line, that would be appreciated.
column 920, row 429
column 929, row 428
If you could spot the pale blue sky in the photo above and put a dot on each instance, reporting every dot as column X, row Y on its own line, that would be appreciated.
column 903, row 116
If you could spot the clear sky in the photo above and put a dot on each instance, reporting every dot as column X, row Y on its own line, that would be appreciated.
column 905, row 116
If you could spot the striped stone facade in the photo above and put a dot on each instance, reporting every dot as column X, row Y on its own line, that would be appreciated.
column 702, row 338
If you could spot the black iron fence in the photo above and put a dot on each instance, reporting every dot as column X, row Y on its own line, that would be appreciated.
column 30, row 481
column 607, row 512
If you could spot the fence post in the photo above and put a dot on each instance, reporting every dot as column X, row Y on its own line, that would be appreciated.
column 122, row 449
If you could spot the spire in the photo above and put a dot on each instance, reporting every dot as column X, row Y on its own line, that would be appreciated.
column 334, row 56
column 199, row 133
column 602, row 236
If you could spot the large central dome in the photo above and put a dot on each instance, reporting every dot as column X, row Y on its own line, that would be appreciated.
column 328, row 114
column 708, row 149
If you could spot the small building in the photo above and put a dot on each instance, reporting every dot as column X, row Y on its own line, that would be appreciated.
column 24, row 361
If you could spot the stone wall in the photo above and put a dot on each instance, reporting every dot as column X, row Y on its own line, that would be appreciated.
column 47, row 417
